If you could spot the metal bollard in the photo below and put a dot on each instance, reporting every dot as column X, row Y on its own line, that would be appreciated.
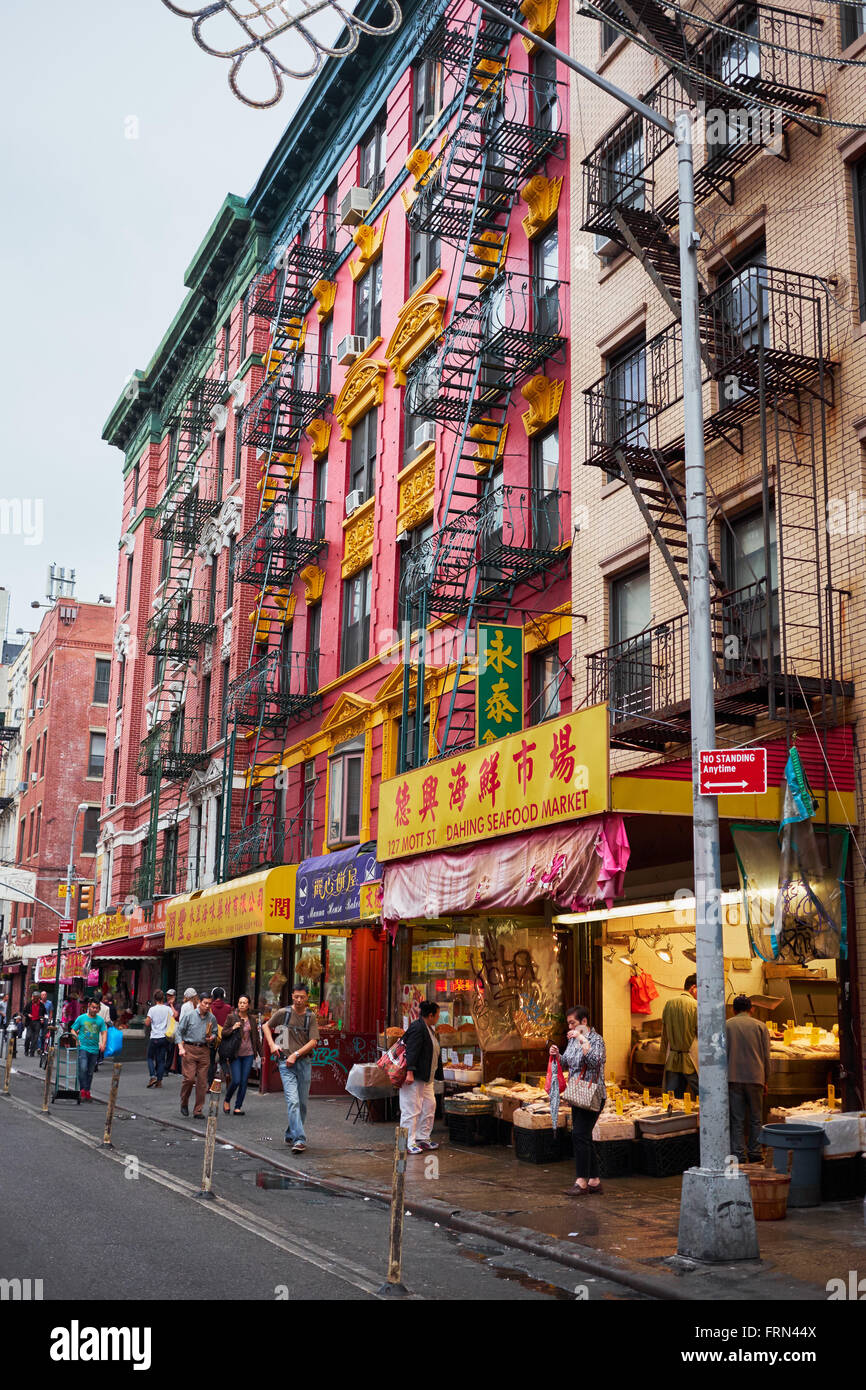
column 112, row 1101
column 11, row 1049
column 210, row 1142
column 49, row 1067
column 393, row 1286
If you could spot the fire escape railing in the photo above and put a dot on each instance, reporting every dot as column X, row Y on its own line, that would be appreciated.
column 278, row 688
column 288, row 536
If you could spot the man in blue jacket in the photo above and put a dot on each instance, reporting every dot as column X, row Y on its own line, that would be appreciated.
column 423, row 1067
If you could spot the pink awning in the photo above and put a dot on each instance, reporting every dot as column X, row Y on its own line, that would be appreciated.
column 577, row 866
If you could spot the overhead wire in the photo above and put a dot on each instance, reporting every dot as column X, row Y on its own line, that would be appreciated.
column 715, row 25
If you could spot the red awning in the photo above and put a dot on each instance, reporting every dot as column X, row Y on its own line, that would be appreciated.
column 129, row 948
column 840, row 756
column 12, row 969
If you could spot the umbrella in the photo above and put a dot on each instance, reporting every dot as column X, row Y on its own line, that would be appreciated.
column 553, row 1086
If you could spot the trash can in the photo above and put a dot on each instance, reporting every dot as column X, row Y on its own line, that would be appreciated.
column 807, row 1142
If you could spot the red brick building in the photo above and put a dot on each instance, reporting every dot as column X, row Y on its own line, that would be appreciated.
column 63, row 742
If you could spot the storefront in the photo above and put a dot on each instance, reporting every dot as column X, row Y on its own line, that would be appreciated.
column 126, row 960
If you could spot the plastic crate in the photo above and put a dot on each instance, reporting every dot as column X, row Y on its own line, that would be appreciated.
column 665, row 1158
column 472, row 1129
column 843, row 1178
column 542, row 1145
column 615, row 1158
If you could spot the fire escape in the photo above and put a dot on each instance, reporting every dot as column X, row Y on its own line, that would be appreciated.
column 505, row 324
column 280, row 684
column 176, row 744
column 765, row 335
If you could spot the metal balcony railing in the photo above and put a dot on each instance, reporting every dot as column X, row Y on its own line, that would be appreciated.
column 179, row 630
column 193, row 413
column 506, row 538
column 275, row 690
column 175, row 748
column 285, row 404
column 288, row 536
column 765, row 321
column 302, row 267
column 182, row 521
column 269, row 840
column 516, row 325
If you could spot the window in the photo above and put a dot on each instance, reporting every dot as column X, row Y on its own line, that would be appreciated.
column 136, row 476
column 326, row 356
column 331, row 198
column 308, row 810
column 224, row 704
column 373, row 148
column 230, row 574
column 546, row 674
column 424, row 256
column 205, row 710
column 852, row 20
column 173, row 443
column 362, row 464
column 368, row 303
column 410, row 555
column 218, row 836
column 27, row 764
column 314, row 638
column 858, row 175
column 320, row 483
column 622, row 180
column 38, row 828
column 545, row 282
column 427, row 94
column 737, row 62
column 492, row 527
column 409, row 756
column 121, row 680
column 44, row 753
column 609, row 36
column 625, row 395
column 102, row 681
column 630, row 671
column 744, row 564
column 211, row 592
column 239, row 446
column 743, row 311
column 30, row 834
column 129, row 573
column 546, row 526
column 96, row 755
column 169, row 861
column 227, row 332
column 546, row 107
column 356, row 620
column 344, row 804
column 411, row 423
column 91, row 830
column 115, row 772
column 245, row 324
column 220, row 463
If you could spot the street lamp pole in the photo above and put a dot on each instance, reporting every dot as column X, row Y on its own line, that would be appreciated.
column 70, row 874
column 716, row 1218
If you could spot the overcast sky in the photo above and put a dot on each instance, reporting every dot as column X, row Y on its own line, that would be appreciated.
column 97, row 232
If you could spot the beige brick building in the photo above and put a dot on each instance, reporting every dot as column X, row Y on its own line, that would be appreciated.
column 781, row 205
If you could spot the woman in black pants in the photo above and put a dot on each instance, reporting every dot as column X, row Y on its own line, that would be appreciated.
column 584, row 1055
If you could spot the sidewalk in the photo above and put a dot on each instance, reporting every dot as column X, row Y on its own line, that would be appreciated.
column 630, row 1232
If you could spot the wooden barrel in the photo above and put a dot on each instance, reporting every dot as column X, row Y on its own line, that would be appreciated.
column 769, row 1194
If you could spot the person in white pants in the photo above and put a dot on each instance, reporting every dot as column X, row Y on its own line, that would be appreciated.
column 423, row 1066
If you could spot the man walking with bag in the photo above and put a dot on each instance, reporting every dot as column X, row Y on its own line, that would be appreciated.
column 423, row 1069
column 292, row 1034
column 194, row 1033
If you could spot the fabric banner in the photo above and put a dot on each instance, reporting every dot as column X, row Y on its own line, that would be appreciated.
column 576, row 866
column 341, row 887
column 73, row 965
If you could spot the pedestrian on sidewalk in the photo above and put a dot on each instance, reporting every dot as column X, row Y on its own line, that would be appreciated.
column 33, row 1016
column 156, row 1023
column 680, row 1040
column 748, row 1078
column 172, row 1062
column 92, row 1033
column 194, row 1033
column 423, row 1068
column 291, row 1035
column 220, row 1010
column 585, row 1055
column 45, row 1024
column 240, row 1046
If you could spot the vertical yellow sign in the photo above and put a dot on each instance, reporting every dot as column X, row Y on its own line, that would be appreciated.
column 499, row 685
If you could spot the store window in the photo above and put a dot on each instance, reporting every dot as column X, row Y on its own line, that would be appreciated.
column 320, row 963
column 355, row 645
column 345, row 781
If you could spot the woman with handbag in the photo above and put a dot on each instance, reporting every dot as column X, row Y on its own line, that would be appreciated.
column 584, row 1058
column 238, row 1050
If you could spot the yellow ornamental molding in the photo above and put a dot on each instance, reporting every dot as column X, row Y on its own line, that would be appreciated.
column 486, row 72
column 544, row 396
column 349, row 717
column 492, row 248
column 419, row 162
column 319, row 434
column 541, row 195
column 314, row 582
column 540, row 16
column 369, row 243
column 324, row 292
column 363, row 388
column 358, row 539
column 417, row 484
column 489, row 451
column 419, row 323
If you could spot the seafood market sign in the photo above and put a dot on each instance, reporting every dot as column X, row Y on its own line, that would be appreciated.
column 550, row 773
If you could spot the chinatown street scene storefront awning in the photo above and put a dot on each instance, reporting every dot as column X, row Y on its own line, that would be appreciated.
column 338, row 889
column 261, row 902
column 132, row 948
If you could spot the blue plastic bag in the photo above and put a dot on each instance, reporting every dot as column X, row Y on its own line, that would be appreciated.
column 115, row 1041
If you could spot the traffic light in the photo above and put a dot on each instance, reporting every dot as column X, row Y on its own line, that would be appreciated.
column 85, row 899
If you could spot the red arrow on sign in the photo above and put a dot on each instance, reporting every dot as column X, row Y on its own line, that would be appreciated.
column 738, row 770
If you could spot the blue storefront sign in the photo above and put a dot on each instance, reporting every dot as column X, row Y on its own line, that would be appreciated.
column 330, row 889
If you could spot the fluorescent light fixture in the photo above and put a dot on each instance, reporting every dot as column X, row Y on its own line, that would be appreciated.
column 638, row 910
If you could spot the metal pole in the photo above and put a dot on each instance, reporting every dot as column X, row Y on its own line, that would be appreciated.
column 49, row 1067
column 716, row 1218
column 112, row 1101
column 11, row 1048
column 210, row 1143
column 393, row 1286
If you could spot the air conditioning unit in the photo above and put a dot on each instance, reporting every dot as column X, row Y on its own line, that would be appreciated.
column 30, row 713
column 22, row 786
column 18, row 713
column 111, row 799
column 424, row 435
column 350, row 348
column 34, row 777
column 355, row 206
column 334, row 832
column 353, row 500
column 40, row 704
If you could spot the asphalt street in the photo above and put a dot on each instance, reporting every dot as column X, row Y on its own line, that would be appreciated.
column 133, row 1208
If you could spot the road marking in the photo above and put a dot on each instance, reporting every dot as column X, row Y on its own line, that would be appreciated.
column 367, row 1280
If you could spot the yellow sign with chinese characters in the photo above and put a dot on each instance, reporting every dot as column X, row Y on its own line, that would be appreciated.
column 262, row 902
column 91, row 931
column 550, row 773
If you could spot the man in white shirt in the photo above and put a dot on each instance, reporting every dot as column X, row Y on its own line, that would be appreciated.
column 156, row 1023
